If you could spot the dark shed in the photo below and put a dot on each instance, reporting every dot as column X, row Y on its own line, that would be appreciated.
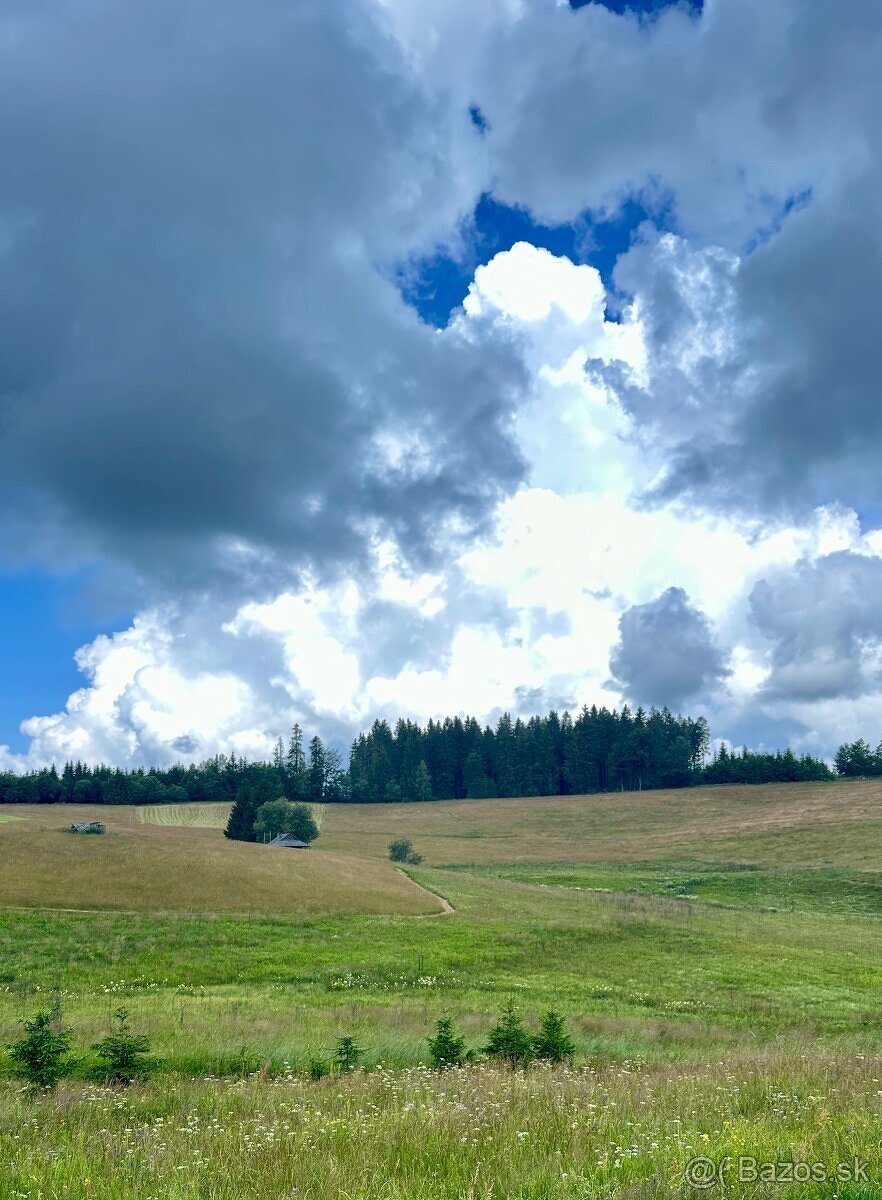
column 288, row 839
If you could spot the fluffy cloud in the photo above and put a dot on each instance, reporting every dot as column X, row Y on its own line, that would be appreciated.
column 824, row 623
column 146, row 702
column 576, row 595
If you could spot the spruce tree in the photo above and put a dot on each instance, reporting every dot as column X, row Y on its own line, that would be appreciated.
column 508, row 1039
column 422, row 782
column 446, row 1048
column 317, row 769
column 240, row 826
column 552, row 1042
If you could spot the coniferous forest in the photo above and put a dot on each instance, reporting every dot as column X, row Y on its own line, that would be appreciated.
column 601, row 750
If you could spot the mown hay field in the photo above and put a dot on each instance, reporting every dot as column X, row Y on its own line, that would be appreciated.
column 207, row 815
column 204, row 815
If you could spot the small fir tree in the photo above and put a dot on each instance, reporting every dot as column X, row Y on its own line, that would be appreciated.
column 446, row 1048
column 552, row 1043
column 347, row 1054
column 123, row 1054
column 317, row 1067
column 42, row 1056
column 508, row 1039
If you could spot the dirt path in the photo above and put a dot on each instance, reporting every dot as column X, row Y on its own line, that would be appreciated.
column 447, row 909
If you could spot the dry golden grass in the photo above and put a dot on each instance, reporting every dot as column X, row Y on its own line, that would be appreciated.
column 136, row 866
column 810, row 824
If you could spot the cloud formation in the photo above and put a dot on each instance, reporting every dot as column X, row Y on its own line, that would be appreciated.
column 210, row 382
column 666, row 654
column 824, row 622
column 204, row 370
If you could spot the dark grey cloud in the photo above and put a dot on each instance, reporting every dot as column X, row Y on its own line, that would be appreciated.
column 203, row 365
column 824, row 623
column 666, row 653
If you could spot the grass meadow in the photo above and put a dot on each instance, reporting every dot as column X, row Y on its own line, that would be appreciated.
column 717, row 954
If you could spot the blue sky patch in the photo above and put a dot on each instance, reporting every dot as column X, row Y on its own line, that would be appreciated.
column 438, row 284
column 43, row 620
column 478, row 119
column 646, row 7
column 791, row 205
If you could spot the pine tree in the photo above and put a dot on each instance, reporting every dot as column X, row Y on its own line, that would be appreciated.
column 422, row 782
column 317, row 769
column 509, row 1040
column 42, row 1056
column 240, row 826
column 446, row 1048
column 552, row 1043
column 123, row 1054
column 295, row 759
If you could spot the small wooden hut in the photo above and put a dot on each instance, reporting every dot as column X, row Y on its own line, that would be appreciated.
column 88, row 827
column 289, row 840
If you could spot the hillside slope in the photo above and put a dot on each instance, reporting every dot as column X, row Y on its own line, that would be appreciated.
column 184, row 868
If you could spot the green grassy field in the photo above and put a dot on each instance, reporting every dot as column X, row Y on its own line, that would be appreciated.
column 717, row 955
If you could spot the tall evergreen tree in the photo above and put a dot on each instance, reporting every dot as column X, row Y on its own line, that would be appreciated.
column 317, row 769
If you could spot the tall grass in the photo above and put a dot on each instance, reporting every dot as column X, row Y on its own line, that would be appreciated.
column 473, row 1132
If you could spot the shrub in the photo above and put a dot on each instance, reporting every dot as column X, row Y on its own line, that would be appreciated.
column 509, row 1040
column 347, row 1054
column 281, row 816
column 123, row 1054
column 42, row 1055
column 446, row 1048
column 317, row 1067
column 552, row 1043
column 401, row 850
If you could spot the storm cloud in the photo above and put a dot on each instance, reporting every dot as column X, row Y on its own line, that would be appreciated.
column 667, row 653
column 204, row 368
column 823, row 621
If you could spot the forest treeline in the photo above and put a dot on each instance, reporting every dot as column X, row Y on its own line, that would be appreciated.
column 601, row 750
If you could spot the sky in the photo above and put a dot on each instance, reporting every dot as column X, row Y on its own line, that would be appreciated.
column 416, row 357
